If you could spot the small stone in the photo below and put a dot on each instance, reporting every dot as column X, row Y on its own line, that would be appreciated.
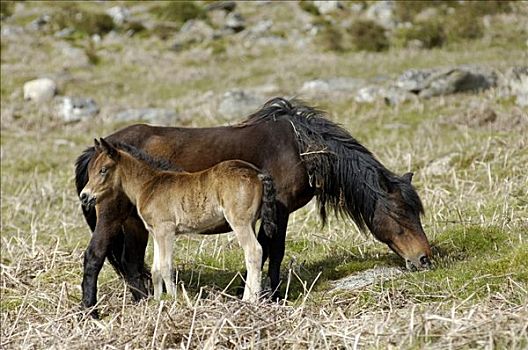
column 235, row 21
column 327, row 6
column 119, row 14
column 40, row 90
column 74, row 109
column 440, row 166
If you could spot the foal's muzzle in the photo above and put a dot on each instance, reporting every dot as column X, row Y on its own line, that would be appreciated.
column 87, row 200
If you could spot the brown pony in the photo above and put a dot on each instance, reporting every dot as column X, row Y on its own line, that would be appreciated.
column 171, row 203
column 306, row 154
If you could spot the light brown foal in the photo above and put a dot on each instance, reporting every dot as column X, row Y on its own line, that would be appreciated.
column 171, row 203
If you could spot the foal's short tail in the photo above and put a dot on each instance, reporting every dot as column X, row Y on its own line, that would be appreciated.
column 268, row 208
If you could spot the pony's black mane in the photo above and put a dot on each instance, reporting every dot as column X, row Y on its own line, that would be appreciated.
column 347, row 177
column 156, row 163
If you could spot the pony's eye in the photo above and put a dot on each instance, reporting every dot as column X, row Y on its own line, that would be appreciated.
column 103, row 171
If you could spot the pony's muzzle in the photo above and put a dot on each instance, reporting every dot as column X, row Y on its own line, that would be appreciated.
column 87, row 200
column 422, row 263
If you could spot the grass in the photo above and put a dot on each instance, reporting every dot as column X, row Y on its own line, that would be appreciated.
column 475, row 217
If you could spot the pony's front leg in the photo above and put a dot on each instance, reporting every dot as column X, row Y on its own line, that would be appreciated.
column 94, row 257
column 253, row 257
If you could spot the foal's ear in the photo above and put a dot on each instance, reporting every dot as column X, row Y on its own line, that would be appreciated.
column 108, row 149
column 407, row 177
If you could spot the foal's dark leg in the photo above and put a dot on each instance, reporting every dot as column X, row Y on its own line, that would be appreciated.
column 133, row 259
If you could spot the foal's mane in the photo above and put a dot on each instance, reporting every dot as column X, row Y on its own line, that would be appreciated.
column 156, row 163
column 347, row 177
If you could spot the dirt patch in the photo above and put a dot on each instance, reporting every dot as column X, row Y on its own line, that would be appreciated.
column 367, row 277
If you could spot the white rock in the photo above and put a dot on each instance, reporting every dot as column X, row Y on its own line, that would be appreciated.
column 119, row 14
column 328, row 6
column 73, row 109
column 40, row 90
column 367, row 277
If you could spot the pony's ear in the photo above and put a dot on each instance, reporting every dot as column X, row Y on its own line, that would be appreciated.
column 386, row 184
column 108, row 149
column 407, row 177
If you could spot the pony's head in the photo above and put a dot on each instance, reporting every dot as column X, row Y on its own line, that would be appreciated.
column 102, row 178
column 396, row 222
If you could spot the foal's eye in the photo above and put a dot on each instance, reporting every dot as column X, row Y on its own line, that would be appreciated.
column 102, row 171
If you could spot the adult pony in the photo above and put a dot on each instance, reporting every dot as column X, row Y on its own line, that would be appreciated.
column 306, row 154
column 176, row 202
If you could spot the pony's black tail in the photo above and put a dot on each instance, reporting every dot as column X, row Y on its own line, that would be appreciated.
column 268, row 209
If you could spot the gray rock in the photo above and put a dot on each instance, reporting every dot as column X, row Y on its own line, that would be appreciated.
column 64, row 33
column 119, row 14
column 382, row 12
column 515, row 83
column 194, row 31
column 327, row 6
column 150, row 115
column 436, row 82
column 74, row 109
column 237, row 104
column 40, row 22
column 367, row 277
column 72, row 56
column 235, row 21
column 40, row 90
column 440, row 166
column 391, row 95
column 332, row 84
column 11, row 31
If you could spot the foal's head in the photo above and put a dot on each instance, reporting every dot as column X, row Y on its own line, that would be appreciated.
column 101, row 174
column 396, row 222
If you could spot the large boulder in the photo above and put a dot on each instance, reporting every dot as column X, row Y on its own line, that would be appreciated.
column 437, row 82
column 515, row 83
column 40, row 90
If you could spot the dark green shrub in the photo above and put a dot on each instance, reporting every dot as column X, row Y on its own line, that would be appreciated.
column 368, row 36
column 6, row 9
column 405, row 11
column 82, row 21
column 309, row 7
column 329, row 37
column 430, row 34
column 178, row 11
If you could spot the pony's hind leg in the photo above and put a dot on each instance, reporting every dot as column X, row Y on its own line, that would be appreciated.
column 165, row 248
column 253, row 257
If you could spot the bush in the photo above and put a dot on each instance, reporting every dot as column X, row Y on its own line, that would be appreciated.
column 368, row 36
column 178, row 11
column 329, row 37
column 6, row 9
column 309, row 7
column 430, row 34
column 82, row 21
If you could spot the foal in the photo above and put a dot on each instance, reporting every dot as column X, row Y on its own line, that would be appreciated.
column 171, row 203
